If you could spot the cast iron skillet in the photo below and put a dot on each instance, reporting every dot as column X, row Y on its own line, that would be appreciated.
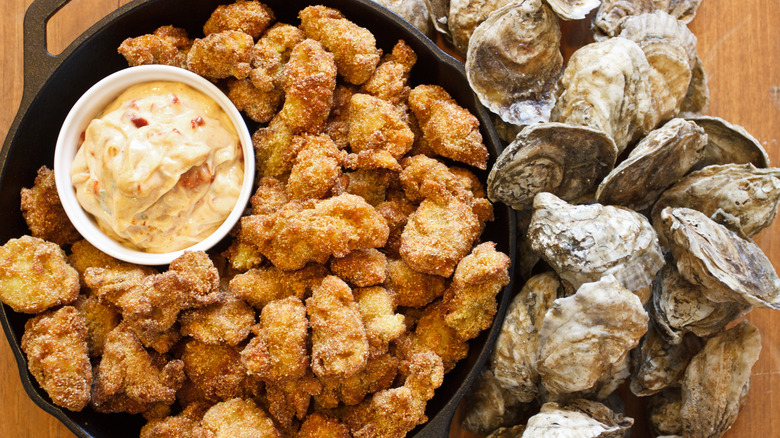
column 53, row 84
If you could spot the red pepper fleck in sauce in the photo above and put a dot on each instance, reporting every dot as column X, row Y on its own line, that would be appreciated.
column 139, row 122
column 198, row 121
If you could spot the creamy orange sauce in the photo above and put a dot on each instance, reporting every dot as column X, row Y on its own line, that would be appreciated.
column 161, row 168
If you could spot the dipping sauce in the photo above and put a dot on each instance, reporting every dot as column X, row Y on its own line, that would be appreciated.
column 160, row 168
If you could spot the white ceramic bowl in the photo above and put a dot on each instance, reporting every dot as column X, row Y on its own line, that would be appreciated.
column 92, row 103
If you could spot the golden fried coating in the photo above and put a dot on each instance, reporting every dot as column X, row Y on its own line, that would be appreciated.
column 361, row 268
column 291, row 399
column 57, row 356
column 379, row 374
column 470, row 181
column 299, row 233
column 271, row 53
column 438, row 235
column 372, row 159
column 262, row 285
column 216, row 370
column 316, row 169
column 185, row 425
column 201, row 277
column 250, row 17
column 353, row 46
column 84, row 255
column 227, row 321
column 258, row 104
column 241, row 255
column 129, row 379
column 175, row 35
column 470, row 301
column 239, row 418
column 396, row 211
column 152, row 49
column 370, row 184
column 383, row 325
column 425, row 177
column 318, row 425
column 269, row 196
column 433, row 334
column 339, row 344
column 100, row 319
column 389, row 81
column 278, row 351
column 375, row 123
column 308, row 80
column 35, row 275
column 42, row 209
column 336, row 126
column 448, row 129
column 411, row 288
column 221, row 55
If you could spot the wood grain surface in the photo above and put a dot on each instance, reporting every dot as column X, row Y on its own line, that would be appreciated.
column 740, row 48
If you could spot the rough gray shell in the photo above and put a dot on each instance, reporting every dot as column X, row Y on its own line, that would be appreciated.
column 573, row 9
column 729, row 143
column 489, row 406
column 659, row 364
column 611, row 12
column 465, row 15
column 414, row 11
column 578, row 418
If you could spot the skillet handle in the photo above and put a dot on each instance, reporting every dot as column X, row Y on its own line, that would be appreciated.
column 39, row 64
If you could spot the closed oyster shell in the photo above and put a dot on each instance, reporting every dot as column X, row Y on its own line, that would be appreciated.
column 586, row 336
column 578, row 418
column 717, row 380
column 439, row 11
column 414, row 11
column 573, row 9
column 465, row 15
column 516, row 352
column 582, row 243
column 606, row 22
column 729, row 143
column 680, row 307
column 740, row 196
column 605, row 86
column 664, row 412
column 659, row 364
column 657, row 161
column 489, row 406
column 727, row 267
column 514, row 60
column 697, row 99
column 562, row 159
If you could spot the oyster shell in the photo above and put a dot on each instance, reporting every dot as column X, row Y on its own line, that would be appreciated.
column 582, row 243
column 465, row 15
column 565, row 160
column 439, row 10
column 586, row 336
column 729, row 143
column 717, row 380
column 657, row 161
column 740, row 196
column 573, row 9
column 697, row 99
column 414, row 11
column 489, row 406
column 727, row 267
column 515, row 431
column 516, row 351
column 606, row 22
column 664, row 412
column 578, row 418
column 680, row 307
column 605, row 86
column 514, row 61
column 659, row 364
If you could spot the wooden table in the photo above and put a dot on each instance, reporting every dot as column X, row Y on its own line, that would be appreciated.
column 740, row 47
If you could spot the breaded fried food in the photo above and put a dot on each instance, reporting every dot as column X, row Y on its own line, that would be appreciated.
column 241, row 255
column 130, row 379
column 361, row 268
column 100, row 319
column 55, row 344
column 269, row 196
column 470, row 301
column 278, row 353
column 318, row 425
column 382, row 324
column 339, row 343
column 262, row 285
column 270, row 144
column 35, row 275
column 354, row 47
column 336, row 126
column 227, row 321
column 425, row 177
column 316, row 169
column 376, row 123
column 372, row 159
column 196, row 270
column 394, row 412
column 300, row 233
column 184, row 425
column 448, row 129
column 433, row 334
column 216, row 369
column 379, row 374
column 389, row 81
column 438, row 235
column 271, row 53
column 291, row 399
column 43, row 211
column 411, row 288
column 308, row 80
column 250, row 17
column 84, row 255
column 221, row 55
column 258, row 104
column 168, row 45
column 239, row 418
column 396, row 211
column 370, row 184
